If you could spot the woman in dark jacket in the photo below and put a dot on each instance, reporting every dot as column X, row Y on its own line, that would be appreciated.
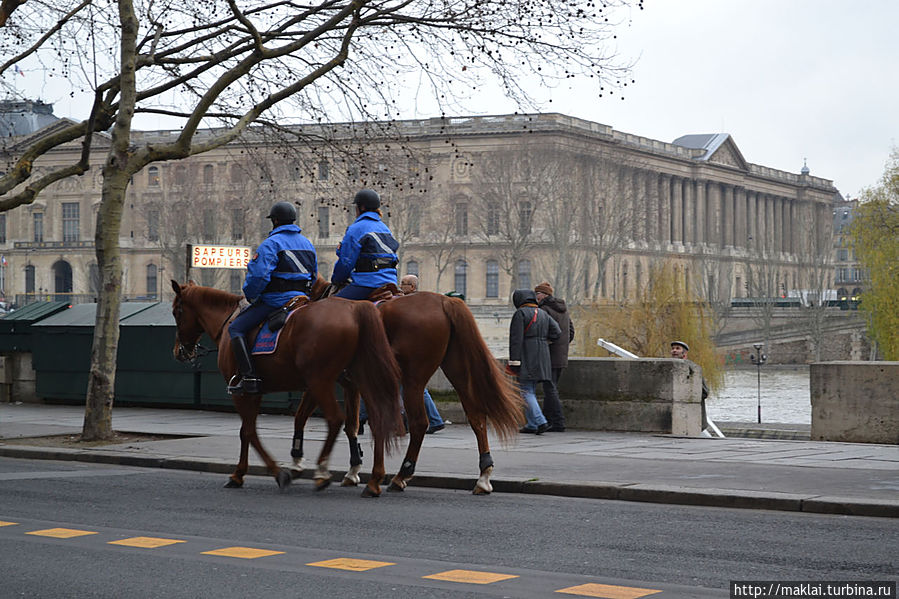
column 530, row 334
column 558, row 354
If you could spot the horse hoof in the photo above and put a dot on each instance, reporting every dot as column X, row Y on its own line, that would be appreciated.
column 322, row 484
column 233, row 484
column 367, row 492
column 348, row 482
column 480, row 491
column 396, row 488
column 283, row 477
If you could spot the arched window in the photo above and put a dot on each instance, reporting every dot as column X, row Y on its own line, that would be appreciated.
column 180, row 175
column 492, row 278
column 93, row 283
column 153, row 176
column 461, row 219
column 152, row 280
column 524, row 274
column 29, row 278
column 492, row 218
column 62, row 280
column 525, row 216
column 461, row 279
column 236, row 281
column 412, row 268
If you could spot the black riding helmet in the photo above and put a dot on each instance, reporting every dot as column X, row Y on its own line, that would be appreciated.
column 283, row 212
column 367, row 199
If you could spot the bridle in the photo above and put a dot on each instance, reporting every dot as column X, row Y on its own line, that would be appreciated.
column 192, row 352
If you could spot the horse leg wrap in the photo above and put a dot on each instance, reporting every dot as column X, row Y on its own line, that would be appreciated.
column 483, row 486
column 351, row 478
column 322, row 477
column 296, row 451
column 485, row 462
column 400, row 481
column 407, row 470
column 355, row 454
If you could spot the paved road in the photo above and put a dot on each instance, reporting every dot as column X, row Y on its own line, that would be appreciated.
column 816, row 477
column 72, row 529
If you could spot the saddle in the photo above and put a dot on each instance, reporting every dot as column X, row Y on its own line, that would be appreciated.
column 277, row 318
column 384, row 292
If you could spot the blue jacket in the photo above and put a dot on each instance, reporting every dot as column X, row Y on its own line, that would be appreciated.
column 367, row 253
column 284, row 259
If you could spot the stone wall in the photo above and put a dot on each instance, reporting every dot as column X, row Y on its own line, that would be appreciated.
column 855, row 401
column 615, row 394
column 17, row 378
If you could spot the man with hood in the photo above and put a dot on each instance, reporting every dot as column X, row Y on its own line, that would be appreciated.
column 558, row 353
column 530, row 333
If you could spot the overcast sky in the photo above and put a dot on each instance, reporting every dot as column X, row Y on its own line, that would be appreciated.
column 788, row 79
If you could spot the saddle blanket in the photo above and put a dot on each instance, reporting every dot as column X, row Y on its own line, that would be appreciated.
column 267, row 340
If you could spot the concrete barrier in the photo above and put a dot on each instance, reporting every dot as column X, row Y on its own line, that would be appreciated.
column 855, row 401
column 614, row 394
column 650, row 395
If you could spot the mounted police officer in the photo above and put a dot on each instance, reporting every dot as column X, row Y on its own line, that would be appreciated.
column 367, row 255
column 285, row 265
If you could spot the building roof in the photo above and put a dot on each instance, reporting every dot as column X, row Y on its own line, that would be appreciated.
column 22, row 117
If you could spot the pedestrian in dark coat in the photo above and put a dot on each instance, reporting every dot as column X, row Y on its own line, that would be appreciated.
column 558, row 353
column 530, row 334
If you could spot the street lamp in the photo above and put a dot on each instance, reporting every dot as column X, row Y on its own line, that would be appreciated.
column 758, row 359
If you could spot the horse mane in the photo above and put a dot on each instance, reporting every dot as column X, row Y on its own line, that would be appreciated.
column 211, row 297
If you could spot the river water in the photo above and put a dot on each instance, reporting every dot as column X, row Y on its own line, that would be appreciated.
column 784, row 396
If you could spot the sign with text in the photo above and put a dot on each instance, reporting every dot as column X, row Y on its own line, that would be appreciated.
column 217, row 256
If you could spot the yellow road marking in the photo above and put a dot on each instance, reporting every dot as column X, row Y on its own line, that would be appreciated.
column 242, row 552
column 472, row 576
column 61, row 533
column 145, row 542
column 354, row 565
column 2, row 523
column 607, row 591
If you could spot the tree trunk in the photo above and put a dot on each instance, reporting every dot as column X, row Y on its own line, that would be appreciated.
column 116, row 174
column 101, row 382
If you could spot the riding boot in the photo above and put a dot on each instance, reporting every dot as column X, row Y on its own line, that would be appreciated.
column 249, row 383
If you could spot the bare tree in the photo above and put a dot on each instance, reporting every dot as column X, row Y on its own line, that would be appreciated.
column 764, row 284
column 713, row 283
column 244, row 64
column 609, row 213
column 512, row 188
column 816, row 274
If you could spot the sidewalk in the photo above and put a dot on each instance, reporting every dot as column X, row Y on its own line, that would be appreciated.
column 807, row 476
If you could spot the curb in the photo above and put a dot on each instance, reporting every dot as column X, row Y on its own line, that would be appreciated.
column 641, row 492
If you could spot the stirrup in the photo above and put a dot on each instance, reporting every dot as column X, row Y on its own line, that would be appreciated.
column 248, row 385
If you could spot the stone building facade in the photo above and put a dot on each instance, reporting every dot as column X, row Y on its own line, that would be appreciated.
column 481, row 205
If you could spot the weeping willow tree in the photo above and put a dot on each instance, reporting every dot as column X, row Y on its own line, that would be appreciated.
column 664, row 310
column 875, row 238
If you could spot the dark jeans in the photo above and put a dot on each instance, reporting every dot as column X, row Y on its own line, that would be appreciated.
column 552, row 406
column 249, row 318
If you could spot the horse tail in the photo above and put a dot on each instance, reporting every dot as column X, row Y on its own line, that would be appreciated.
column 476, row 376
column 376, row 373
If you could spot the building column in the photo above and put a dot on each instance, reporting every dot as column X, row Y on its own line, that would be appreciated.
column 714, row 214
column 792, row 246
column 727, row 218
column 701, row 216
column 739, row 217
column 677, row 210
column 664, row 197
column 689, row 211
column 769, row 224
column 650, row 214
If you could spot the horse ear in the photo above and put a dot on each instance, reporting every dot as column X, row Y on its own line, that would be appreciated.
column 176, row 287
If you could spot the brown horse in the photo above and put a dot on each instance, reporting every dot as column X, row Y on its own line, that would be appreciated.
column 318, row 343
column 429, row 331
